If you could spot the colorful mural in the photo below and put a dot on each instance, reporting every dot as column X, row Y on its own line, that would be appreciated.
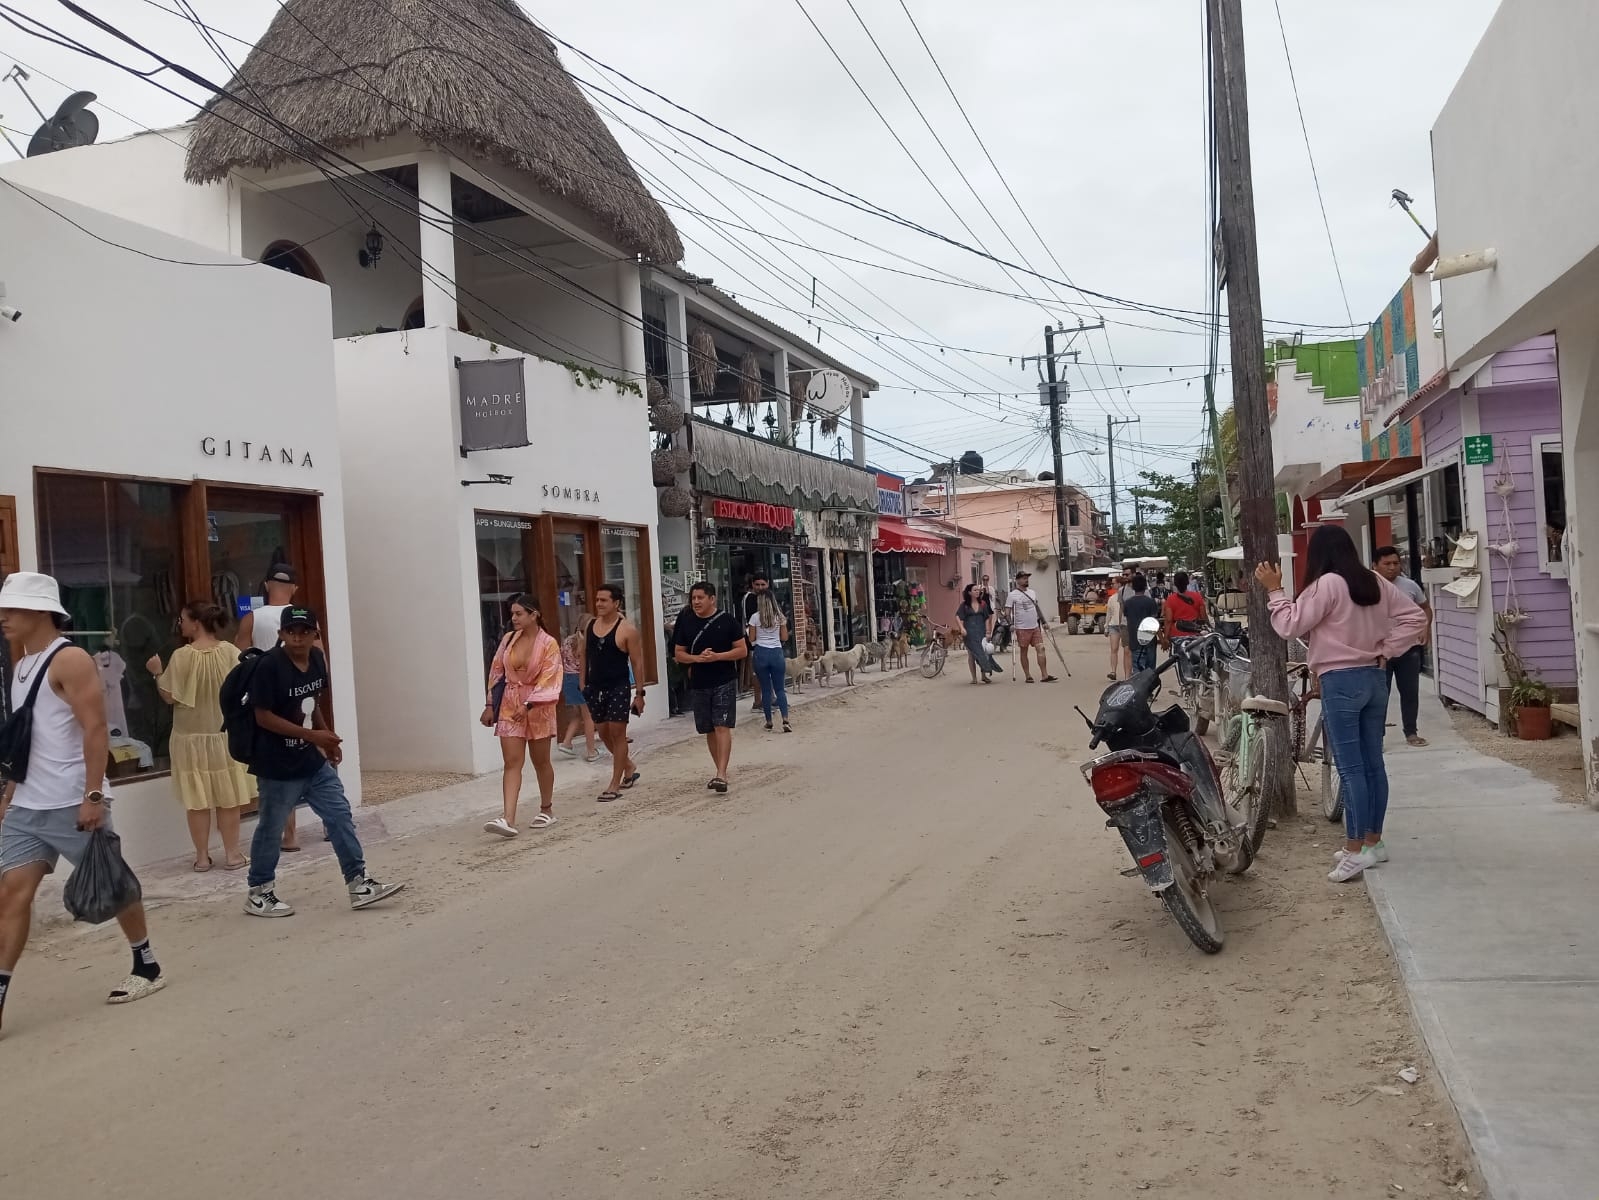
column 1399, row 441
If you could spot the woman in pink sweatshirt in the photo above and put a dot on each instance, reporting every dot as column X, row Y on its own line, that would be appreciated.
column 1354, row 621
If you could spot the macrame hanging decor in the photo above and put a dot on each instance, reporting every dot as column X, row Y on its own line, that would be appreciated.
column 749, row 387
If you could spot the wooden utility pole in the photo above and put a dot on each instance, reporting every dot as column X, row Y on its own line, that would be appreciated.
column 1110, row 452
column 1240, row 268
column 1055, row 392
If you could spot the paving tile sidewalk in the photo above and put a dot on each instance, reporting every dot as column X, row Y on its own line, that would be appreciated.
column 1492, row 909
column 407, row 816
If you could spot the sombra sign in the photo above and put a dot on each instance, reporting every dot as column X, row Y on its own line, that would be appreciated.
column 493, row 404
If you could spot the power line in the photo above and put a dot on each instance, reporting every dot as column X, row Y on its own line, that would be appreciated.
column 1304, row 129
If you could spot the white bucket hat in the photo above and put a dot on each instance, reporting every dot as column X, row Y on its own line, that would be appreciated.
column 32, row 592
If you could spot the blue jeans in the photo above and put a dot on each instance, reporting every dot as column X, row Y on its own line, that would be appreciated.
column 1406, row 669
column 771, row 670
column 1354, row 707
column 325, row 794
column 1144, row 656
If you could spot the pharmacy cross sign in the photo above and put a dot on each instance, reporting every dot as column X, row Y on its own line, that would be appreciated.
column 1479, row 450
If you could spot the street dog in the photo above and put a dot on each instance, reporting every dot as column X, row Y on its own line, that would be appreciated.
column 838, row 662
column 899, row 651
column 797, row 672
column 874, row 652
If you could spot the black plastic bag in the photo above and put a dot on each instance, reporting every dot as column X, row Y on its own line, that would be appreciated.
column 102, row 884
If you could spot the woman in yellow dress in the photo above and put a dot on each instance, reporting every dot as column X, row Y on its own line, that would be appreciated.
column 205, row 774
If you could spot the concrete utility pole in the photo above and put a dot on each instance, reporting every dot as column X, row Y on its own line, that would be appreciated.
column 1110, row 450
column 1199, row 520
column 1241, row 271
column 1055, row 393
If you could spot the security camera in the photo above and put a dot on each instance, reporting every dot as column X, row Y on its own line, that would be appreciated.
column 7, row 313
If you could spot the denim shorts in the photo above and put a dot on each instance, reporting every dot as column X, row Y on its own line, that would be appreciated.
column 47, row 835
column 571, row 694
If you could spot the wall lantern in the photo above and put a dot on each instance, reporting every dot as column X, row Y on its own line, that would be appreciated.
column 373, row 250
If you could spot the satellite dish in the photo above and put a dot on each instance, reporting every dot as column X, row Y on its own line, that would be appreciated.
column 73, row 125
column 828, row 392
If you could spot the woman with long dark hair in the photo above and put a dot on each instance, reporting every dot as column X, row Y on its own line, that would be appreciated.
column 526, row 676
column 976, row 618
column 1354, row 621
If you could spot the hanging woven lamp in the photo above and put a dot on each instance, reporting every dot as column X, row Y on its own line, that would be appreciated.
column 749, row 386
column 702, row 360
column 796, row 398
column 663, row 466
column 675, row 501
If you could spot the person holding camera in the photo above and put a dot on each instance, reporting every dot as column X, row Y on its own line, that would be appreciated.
column 611, row 662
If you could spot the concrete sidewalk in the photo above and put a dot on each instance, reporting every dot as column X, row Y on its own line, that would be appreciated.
column 1492, row 909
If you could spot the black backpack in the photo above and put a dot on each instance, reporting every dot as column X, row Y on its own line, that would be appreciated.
column 238, row 713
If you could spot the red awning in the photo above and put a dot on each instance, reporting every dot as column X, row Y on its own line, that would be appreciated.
column 897, row 536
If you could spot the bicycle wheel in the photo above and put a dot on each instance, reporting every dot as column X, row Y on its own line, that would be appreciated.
column 1239, row 751
column 1332, row 789
column 933, row 656
column 1265, row 758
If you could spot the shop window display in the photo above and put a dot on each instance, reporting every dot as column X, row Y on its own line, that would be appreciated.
column 114, row 546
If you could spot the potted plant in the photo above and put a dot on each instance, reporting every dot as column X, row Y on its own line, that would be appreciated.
column 1529, row 701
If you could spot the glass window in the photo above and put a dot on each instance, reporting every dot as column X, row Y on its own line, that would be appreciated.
column 244, row 547
column 620, row 545
column 503, row 570
column 1549, row 495
column 571, row 579
column 114, row 546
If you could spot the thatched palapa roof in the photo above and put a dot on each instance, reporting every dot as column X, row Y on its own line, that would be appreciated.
column 475, row 74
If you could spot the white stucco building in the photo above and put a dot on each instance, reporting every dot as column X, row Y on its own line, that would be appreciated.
column 173, row 463
column 456, row 215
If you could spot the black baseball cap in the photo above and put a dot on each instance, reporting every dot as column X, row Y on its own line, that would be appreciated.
column 281, row 573
column 1024, row 574
column 297, row 617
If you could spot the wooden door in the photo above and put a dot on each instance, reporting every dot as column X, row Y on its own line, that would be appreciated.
column 10, row 547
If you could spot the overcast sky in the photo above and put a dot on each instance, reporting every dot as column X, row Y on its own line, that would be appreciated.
column 1092, row 111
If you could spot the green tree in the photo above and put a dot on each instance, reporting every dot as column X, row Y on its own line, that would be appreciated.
column 1172, row 507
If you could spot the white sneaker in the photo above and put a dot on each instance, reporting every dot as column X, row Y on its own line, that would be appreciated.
column 1376, row 854
column 1349, row 866
column 500, row 826
column 566, row 750
column 367, row 891
column 263, row 902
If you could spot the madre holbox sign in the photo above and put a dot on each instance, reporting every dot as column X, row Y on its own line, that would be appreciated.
column 493, row 404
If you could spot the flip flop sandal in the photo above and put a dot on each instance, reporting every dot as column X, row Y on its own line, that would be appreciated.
column 201, row 870
column 238, row 866
column 1050, row 679
column 718, row 785
column 607, row 797
column 627, row 784
column 543, row 821
column 289, row 849
column 135, row 987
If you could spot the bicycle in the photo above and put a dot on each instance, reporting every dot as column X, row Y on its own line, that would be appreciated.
column 934, row 655
column 1313, row 748
column 1252, row 740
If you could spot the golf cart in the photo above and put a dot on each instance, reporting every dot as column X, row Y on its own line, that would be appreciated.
column 1087, row 613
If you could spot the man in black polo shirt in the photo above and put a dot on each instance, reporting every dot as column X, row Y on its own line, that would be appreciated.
column 709, row 642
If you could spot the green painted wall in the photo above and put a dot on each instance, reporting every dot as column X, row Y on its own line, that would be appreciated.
column 1332, row 366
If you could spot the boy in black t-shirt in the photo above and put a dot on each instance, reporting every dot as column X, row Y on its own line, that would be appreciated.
column 294, row 759
column 709, row 642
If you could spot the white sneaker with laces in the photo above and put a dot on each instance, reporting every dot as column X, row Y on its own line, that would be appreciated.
column 1378, row 854
column 500, row 826
column 367, row 891
column 263, row 902
column 1349, row 866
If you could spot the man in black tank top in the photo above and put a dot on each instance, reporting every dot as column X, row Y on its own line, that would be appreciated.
column 612, row 650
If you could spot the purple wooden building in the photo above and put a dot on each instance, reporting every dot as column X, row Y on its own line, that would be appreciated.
column 1516, row 498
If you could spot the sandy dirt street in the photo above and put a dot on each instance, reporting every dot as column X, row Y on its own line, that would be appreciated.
column 895, row 961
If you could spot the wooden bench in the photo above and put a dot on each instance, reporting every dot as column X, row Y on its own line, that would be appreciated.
column 1565, row 714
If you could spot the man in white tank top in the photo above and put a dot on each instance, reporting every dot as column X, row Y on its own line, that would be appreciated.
column 259, row 627
column 52, row 812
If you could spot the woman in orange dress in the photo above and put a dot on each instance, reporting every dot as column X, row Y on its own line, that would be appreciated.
column 528, row 663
